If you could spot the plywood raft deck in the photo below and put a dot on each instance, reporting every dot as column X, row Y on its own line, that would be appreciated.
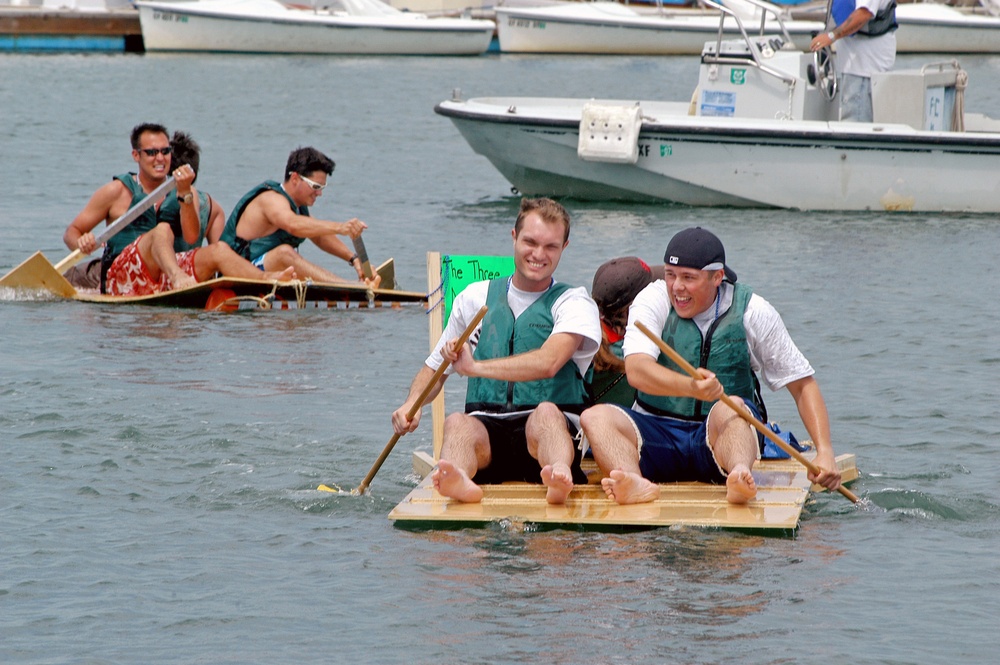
column 782, row 491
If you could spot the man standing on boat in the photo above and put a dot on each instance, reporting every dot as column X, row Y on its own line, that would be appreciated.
column 272, row 220
column 677, row 430
column 525, row 365
column 865, row 34
column 140, row 259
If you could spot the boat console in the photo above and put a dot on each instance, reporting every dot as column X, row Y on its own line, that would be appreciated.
column 762, row 78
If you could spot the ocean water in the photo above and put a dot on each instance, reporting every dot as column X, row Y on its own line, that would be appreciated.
column 158, row 467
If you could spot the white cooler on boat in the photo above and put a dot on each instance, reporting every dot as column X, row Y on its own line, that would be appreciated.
column 921, row 98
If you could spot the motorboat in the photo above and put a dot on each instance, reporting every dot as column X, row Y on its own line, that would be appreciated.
column 761, row 130
column 614, row 28
column 928, row 27
column 338, row 27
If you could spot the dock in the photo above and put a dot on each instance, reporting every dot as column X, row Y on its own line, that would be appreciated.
column 45, row 28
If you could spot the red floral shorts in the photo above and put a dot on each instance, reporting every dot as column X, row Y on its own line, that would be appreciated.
column 129, row 276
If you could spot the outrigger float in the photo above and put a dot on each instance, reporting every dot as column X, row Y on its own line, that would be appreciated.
column 783, row 485
column 37, row 275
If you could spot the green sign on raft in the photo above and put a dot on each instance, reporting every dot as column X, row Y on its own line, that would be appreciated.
column 457, row 272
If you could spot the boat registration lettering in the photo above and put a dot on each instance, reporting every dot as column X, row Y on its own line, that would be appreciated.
column 161, row 16
column 525, row 23
column 718, row 103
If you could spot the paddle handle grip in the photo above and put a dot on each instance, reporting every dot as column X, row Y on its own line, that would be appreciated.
column 362, row 252
column 69, row 261
column 740, row 411
column 462, row 339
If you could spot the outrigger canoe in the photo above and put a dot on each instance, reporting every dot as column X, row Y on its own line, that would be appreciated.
column 37, row 275
column 782, row 492
column 225, row 293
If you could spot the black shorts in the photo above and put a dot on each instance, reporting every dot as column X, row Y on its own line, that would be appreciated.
column 509, row 457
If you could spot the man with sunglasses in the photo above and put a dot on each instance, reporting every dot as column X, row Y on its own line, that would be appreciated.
column 140, row 259
column 151, row 152
column 677, row 430
column 272, row 220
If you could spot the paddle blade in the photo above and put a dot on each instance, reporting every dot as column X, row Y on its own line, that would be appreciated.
column 36, row 273
column 366, row 266
column 387, row 271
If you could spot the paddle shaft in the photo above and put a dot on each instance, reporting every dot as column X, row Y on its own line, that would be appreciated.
column 463, row 338
column 738, row 408
column 366, row 266
column 114, row 227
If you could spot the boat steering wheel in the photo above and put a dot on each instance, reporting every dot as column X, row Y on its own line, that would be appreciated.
column 822, row 73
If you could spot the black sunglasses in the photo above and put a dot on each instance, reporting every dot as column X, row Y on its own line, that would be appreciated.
column 151, row 152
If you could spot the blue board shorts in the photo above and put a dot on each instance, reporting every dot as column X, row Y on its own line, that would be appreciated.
column 509, row 456
column 673, row 450
column 259, row 261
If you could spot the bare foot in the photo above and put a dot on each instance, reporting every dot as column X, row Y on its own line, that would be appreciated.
column 559, row 479
column 627, row 487
column 454, row 483
column 286, row 275
column 740, row 485
column 182, row 280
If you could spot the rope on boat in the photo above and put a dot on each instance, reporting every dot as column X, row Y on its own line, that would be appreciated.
column 958, row 109
column 300, row 292
column 440, row 301
column 263, row 302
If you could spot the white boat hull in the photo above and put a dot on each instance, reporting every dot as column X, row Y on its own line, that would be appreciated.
column 191, row 26
column 609, row 28
column 931, row 28
column 704, row 161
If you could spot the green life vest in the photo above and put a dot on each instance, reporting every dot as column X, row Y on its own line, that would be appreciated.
column 170, row 212
column 145, row 222
column 119, row 241
column 725, row 353
column 255, row 247
column 609, row 386
column 501, row 337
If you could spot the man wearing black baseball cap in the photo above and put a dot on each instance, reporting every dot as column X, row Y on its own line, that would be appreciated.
column 677, row 430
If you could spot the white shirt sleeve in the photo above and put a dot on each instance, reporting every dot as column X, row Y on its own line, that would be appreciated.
column 463, row 310
column 773, row 354
column 576, row 312
column 651, row 307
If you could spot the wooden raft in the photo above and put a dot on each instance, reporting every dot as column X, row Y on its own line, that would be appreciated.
column 782, row 486
column 782, row 491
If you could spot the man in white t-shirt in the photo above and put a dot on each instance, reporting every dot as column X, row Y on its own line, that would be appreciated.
column 525, row 363
column 865, row 33
column 677, row 430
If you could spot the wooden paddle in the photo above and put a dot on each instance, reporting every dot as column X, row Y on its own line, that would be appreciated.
column 366, row 266
column 19, row 277
column 743, row 413
column 463, row 338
